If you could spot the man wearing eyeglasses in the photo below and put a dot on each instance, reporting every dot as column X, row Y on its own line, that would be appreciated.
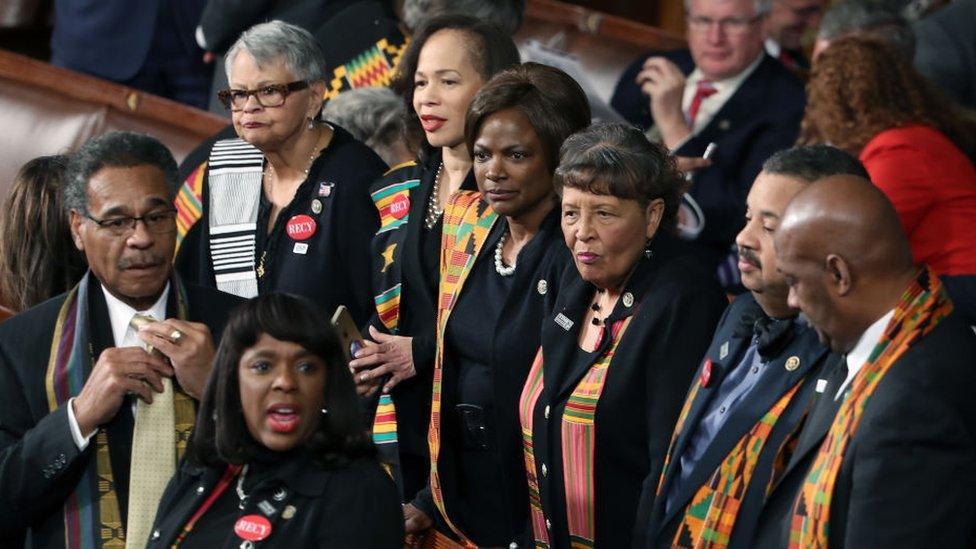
column 724, row 90
column 99, row 384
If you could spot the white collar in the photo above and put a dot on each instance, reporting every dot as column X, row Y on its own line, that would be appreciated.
column 120, row 314
column 858, row 356
column 772, row 48
column 726, row 85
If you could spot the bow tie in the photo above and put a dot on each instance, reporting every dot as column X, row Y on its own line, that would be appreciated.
column 772, row 334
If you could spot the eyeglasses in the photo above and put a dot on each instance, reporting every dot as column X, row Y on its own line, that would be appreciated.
column 272, row 95
column 728, row 25
column 161, row 222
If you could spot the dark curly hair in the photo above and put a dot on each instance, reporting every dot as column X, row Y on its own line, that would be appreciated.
column 860, row 87
column 221, row 435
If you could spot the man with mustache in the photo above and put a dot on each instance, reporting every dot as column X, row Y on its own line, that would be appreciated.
column 99, row 384
column 887, row 455
column 753, row 385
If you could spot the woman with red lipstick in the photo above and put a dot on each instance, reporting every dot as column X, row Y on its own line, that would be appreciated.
column 502, row 259
column 279, row 457
column 618, row 352
column 447, row 62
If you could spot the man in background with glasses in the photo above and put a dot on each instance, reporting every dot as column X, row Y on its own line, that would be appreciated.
column 99, row 384
column 724, row 89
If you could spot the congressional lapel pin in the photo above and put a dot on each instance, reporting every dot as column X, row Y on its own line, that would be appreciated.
column 723, row 351
column 792, row 363
column 301, row 248
column 267, row 508
column 564, row 321
column 706, row 373
column 288, row 512
column 542, row 287
column 316, row 206
column 400, row 206
column 301, row 227
column 325, row 189
column 724, row 124
column 252, row 528
column 821, row 385
column 628, row 299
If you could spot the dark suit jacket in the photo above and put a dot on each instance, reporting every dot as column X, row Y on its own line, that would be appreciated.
column 660, row 525
column 33, row 440
column 676, row 306
column 908, row 475
column 111, row 38
column 350, row 506
column 762, row 117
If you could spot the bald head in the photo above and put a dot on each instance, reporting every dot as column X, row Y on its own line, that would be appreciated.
column 844, row 253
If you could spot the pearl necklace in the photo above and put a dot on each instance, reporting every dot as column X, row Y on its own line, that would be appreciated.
column 500, row 267
column 434, row 210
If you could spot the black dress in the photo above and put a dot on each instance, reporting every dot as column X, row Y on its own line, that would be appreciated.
column 407, row 253
column 490, row 341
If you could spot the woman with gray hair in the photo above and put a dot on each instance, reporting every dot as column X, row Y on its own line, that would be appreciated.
column 275, row 199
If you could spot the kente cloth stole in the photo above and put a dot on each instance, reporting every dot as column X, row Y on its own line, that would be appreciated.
column 91, row 511
column 189, row 203
column 236, row 171
column 467, row 221
column 393, row 204
column 374, row 67
column 922, row 306
column 710, row 515
column 578, row 439
column 678, row 426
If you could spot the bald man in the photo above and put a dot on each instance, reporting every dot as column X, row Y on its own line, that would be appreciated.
column 887, row 455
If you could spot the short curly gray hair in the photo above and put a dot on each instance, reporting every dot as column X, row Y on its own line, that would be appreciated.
column 276, row 41
column 114, row 149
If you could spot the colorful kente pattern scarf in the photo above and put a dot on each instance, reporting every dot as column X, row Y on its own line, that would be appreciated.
column 710, row 516
column 578, row 432
column 91, row 511
column 921, row 307
column 467, row 221
column 392, row 201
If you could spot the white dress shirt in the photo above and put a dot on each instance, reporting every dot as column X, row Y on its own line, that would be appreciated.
column 710, row 106
column 123, row 335
column 858, row 356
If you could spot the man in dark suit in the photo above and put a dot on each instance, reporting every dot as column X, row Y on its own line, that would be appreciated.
column 86, row 398
column 887, row 456
column 147, row 44
column 754, row 384
column 788, row 22
column 725, row 90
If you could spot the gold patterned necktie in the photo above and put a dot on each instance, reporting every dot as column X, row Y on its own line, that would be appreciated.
column 153, row 459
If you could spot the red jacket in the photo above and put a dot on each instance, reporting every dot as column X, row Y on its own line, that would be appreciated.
column 932, row 185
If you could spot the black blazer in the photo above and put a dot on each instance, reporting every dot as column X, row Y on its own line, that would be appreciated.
column 354, row 505
column 515, row 340
column 908, row 475
column 726, row 350
column 33, row 440
column 676, row 305
column 762, row 117
column 418, row 290
column 335, row 270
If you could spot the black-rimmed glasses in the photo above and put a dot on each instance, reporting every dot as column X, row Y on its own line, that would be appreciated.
column 160, row 222
column 272, row 95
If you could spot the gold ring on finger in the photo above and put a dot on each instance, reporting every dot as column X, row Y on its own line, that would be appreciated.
column 175, row 336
